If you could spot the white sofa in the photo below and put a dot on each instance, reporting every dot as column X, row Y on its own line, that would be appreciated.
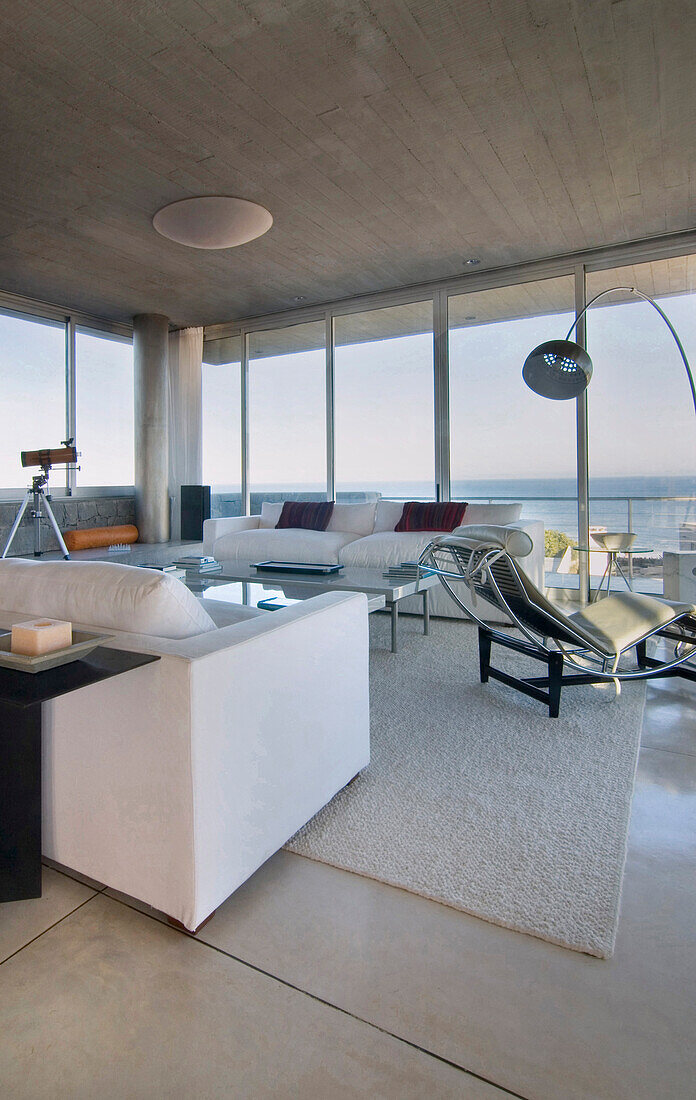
column 360, row 536
column 175, row 781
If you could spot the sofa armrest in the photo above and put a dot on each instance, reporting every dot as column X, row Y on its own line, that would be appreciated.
column 280, row 722
column 214, row 528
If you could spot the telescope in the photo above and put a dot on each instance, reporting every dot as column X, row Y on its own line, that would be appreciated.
column 50, row 456
column 46, row 458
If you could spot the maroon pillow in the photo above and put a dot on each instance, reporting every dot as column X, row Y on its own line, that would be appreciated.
column 312, row 515
column 444, row 516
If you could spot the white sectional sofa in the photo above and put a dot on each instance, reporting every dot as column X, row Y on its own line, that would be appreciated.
column 175, row 781
column 360, row 536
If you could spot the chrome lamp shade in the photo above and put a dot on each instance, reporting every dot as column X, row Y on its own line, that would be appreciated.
column 559, row 369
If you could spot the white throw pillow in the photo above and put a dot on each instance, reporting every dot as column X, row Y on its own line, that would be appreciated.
column 499, row 514
column 270, row 513
column 354, row 519
column 388, row 514
column 103, row 594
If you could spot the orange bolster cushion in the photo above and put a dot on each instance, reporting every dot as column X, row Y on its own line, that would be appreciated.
column 89, row 537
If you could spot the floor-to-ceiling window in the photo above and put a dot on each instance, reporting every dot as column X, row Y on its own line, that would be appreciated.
column 33, row 383
column 642, row 429
column 507, row 443
column 287, row 413
column 384, row 421
column 104, row 408
column 221, row 402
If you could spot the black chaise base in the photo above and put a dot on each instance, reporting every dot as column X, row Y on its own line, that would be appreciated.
column 547, row 689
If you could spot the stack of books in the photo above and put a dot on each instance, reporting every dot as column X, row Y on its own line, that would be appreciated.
column 406, row 571
column 170, row 570
column 193, row 563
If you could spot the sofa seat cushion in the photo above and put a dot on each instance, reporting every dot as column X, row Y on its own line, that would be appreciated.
column 385, row 549
column 106, row 595
column 290, row 544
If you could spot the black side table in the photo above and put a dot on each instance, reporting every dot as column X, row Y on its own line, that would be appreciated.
column 21, row 696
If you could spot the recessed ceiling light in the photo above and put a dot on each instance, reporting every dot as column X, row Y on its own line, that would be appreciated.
column 472, row 262
column 299, row 298
column 212, row 221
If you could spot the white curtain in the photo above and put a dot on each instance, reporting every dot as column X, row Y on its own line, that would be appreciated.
column 185, row 424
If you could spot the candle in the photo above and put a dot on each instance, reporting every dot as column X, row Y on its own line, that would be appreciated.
column 39, row 636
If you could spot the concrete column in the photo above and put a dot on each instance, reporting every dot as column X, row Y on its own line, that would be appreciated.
column 185, row 416
column 150, row 355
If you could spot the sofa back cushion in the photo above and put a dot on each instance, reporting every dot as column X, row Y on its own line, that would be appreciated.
column 354, row 519
column 497, row 514
column 103, row 594
column 270, row 513
column 388, row 514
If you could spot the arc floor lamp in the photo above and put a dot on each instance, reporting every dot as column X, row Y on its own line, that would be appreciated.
column 562, row 369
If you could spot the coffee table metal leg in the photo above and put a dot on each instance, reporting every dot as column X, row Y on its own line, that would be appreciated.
column 394, row 625
column 426, row 611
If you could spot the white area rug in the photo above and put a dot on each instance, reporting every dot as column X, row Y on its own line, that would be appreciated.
column 475, row 798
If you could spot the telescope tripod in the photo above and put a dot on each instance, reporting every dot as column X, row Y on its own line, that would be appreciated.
column 37, row 496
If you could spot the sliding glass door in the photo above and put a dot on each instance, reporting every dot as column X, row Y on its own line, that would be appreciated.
column 33, row 379
column 508, row 444
column 287, row 414
column 222, row 424
column 384, row 403
column 642, row 429
column 104, row 408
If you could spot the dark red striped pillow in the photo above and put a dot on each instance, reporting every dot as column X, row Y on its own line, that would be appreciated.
column 310, row 514
column 444, row 516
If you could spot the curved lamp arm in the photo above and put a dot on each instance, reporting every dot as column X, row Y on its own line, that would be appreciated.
column 664, row 317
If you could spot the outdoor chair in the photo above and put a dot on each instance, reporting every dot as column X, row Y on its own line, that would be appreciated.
column 604, row 642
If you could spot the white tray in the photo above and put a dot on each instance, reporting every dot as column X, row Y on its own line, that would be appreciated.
column 83, row 643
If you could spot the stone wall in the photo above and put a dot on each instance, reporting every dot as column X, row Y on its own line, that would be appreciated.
column 71, row 513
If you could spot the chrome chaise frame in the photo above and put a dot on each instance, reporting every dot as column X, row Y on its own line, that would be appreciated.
column 491, row 573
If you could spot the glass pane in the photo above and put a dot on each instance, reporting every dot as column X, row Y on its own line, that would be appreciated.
column 104, row 408
column 287, row 414
column 507, row 443
column 222, row 424
column 641, row 416
column 32, row 378
column 384, row 403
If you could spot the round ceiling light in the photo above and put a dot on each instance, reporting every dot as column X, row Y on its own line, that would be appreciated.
column 212, row 221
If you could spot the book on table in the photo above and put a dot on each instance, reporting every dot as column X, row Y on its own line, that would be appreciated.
column 197, row 564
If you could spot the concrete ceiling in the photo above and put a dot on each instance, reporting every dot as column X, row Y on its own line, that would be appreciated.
column 391, row 139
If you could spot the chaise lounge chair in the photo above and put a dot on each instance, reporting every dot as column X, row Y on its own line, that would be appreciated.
column 596, row 642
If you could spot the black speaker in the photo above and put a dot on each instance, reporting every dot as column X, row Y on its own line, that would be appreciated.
column 195, row 507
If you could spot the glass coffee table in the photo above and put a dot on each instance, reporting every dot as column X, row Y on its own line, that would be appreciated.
column 273, row 590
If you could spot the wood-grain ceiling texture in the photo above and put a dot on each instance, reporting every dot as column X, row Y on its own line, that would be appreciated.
column 390, row 139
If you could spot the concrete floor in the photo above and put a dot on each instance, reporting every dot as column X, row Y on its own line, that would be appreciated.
column 312, row 982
